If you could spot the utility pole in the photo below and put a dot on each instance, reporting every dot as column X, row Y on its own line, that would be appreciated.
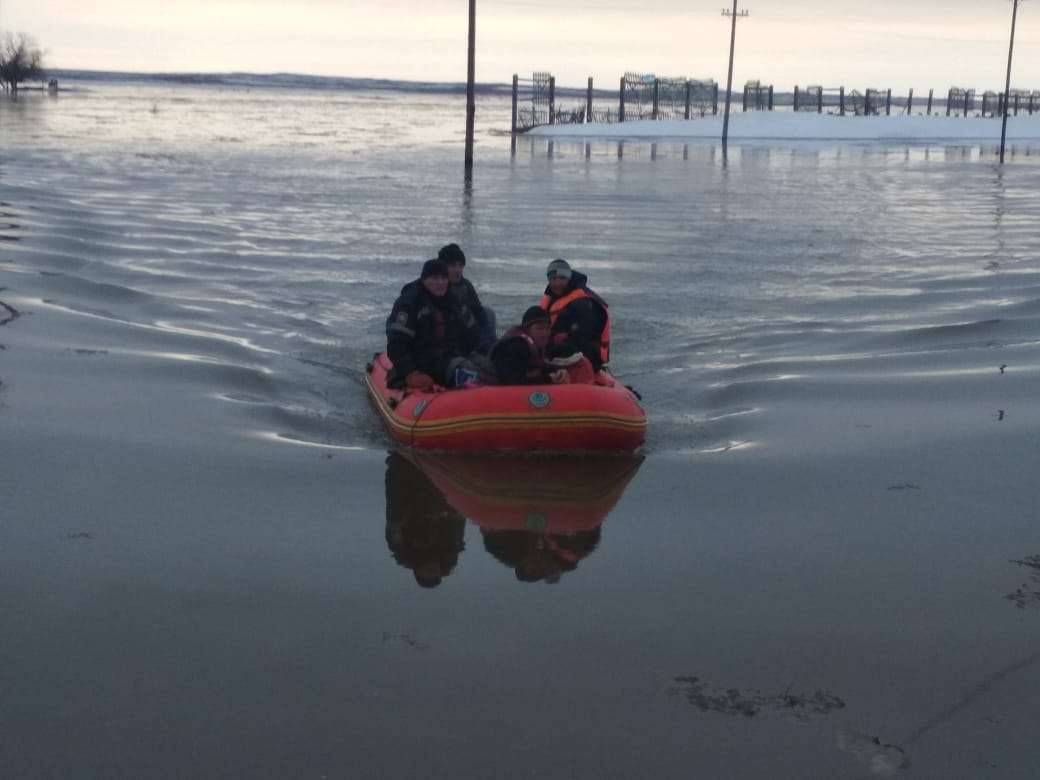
column 471, row 108
column 733, row 15
column 1007, row 86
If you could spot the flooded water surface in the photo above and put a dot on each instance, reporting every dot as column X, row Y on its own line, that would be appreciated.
column 212, row 564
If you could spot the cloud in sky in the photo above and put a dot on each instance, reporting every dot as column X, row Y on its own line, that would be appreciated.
column 882, row 44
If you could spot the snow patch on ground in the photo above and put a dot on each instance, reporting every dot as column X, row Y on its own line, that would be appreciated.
column 810, row 127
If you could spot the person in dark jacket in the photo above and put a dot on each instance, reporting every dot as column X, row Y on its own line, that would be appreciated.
column 577, row 315
column 429, row 334
column 518, row 357
column 466, row 293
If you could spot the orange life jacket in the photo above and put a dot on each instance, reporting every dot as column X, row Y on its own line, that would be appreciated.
column 554, row 307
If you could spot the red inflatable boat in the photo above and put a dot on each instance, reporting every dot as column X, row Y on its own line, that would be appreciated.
column 544, row 418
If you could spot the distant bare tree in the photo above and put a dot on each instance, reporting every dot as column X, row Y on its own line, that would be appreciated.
column 20, row 60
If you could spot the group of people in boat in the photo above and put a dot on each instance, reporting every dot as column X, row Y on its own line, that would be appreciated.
column 439, row 335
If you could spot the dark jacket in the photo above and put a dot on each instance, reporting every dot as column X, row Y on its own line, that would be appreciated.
column 424, row 333
column 466, row 294
column 581, row 324
column 517, row 360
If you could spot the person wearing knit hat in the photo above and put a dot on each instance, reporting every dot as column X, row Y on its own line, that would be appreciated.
column 519, row 356
column 578, row 316
column 429, row 334
column 434, row 268
column 466, row 293
column 559, row 268
column 452, row 254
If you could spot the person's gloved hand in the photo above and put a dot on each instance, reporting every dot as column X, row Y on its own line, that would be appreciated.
column 417, row 380
column 560, row 377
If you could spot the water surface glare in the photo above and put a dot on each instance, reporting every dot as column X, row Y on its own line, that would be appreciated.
column 296, row 250
column 822, row 565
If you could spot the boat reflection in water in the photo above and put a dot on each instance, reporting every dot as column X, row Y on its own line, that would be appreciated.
column 540, row 517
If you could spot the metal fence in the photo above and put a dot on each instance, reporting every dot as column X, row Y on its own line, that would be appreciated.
column 808, row 99
column 703, row 97
column 959, row 99
column 644, row 96
column 637, row 96
column 757, row 97
column 533, row 100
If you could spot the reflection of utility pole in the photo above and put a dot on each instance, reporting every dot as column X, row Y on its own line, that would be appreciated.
column 734, row 15
column 1007, row 86
column 471, row 108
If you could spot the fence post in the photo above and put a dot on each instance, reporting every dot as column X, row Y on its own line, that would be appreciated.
column 819, row 101
column 657, row 84
column 866, row 103
column 552, row 100
column 888, row 104
column 841, row 100
column 621, row 107
column 715, row 100
column 588, row 102
column 931, row 94
column 910, row 103
column 796, row 99
column 1016, row 104
column 687, row 98
column 516, row 88
column 985, row 103
column 966, row 97
column 743, row 100
column 1032, row 97
column 949, row 99
column 770, row 97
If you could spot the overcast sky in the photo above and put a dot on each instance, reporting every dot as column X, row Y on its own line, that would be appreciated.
column 881, row 43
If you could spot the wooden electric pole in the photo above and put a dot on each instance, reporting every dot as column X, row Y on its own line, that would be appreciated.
column 471, row 107
column 733, row 15
column 1007, row 84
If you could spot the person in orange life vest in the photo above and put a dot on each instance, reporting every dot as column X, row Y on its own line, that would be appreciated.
column 429, row 334
column 577, row 315
column 565, row 357
column 518, row 357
